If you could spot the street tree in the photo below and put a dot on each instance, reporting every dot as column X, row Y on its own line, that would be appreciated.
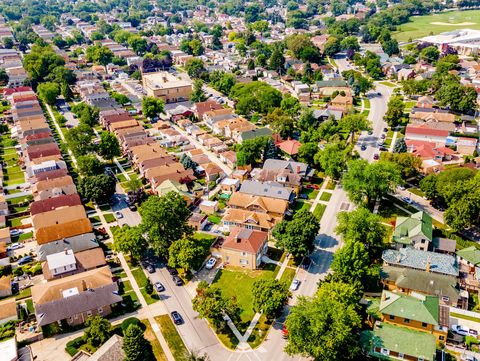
column 297, row 235
column 48, row 92
column 250, row 151
column 430, row 54
column 361, row 225
column 395, row 110
column 333, row 158
column 365, row 182
column 186, row 253
column 269, row 296
column 152, row 107
column 109, row 147
column 97, row 332
column 353, row 123
column 350, row 263
column 135, row 346
column 165, row 220
column 130, row 240
column 79, row 139
column 400, row 146
column 195, row 67
column 408, row 163
column 277, row 61
column 99, row 188
column 197, row 94
column 307, row 152
column 89, row 165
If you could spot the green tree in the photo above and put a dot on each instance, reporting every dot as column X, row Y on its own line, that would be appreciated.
column 221, row 81
column 456, row 96
column 298, row 235
column 66, row 91
column 255, row 96
column 134, row 184
column 109, row 147
column 165, row 220
column 365, row 182
column 48, row 92
column 89, row 165
column 400, row 146
column 250, row 151
column 408, row 163
column 394, row 114
column 99, row 55
column 350, row 263
column 390, row 47
column 269, row 296
column 307, row 152
column 79, row 139
column 430, row 54
column 197, row 94
column 270, row 151
column 8, row 43
column 281, row 123
column 324, row 328
column 97, row 331
column 277, row 61
column 350, row 43
column 130, row 240
column 306, row 119
column 332, row 46
column 138, row 44
column 361, row 225
column 3, row 77
column 152, row 107
column 99, row 188
column 186, row 253
column 353, row 123
column 333, row 158
column 135, row 346
column 195, row 67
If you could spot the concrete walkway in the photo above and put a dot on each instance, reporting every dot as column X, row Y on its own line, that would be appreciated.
column 392, row 144
column 317, row 198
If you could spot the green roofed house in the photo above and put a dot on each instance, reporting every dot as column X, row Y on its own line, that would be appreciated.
column 415, row 231
column 415, row 311
column 253, row 134
column 469, row 262
column 389, row 342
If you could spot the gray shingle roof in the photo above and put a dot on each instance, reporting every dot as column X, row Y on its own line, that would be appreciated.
column 416, row 259
column 266, row 189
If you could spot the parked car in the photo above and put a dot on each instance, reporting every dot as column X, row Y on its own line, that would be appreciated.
column 177, row 280
column 14, row 246
column 150, row 268
column 295, row 284
column 159, row 287
column 407, row 200
column 15, row 232
column 177, row 319
column 312, row 186
column 376, row 156
column 172, row 271
column 118, row 214
column 402, row 188
column 473, row 333
column 25, row 260
column 383, row 136
column 363, row 147
column 370, row 132
column 211, row 263
column 385, row 130
column 284, row 331
column 383, row 148
column 461, row 330
column 132, row 207
column 306, row 262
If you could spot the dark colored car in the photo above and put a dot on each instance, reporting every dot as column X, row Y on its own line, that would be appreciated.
column 177, row 319
column 25, row 260
column 385, row 130
column 150, row 268
column 363, row 147
column 306, row 262
column 376, row 156
column 172, row 271
column 383, row 149
column 132, row 207
column 177, row 280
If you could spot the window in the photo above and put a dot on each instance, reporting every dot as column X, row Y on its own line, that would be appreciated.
column 244, row 261
column 100, row 310
column 89, row 313
column 244, row 254
column 400, row 355
column 385, row 352
column 441, row 338
column 423, row 241
column 424, row 324
column 392, row 317
column 406, row 320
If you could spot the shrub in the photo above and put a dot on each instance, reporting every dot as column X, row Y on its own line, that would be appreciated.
column 132, row 321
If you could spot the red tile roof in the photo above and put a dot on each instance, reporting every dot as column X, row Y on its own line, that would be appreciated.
column 9, row 91
column 290, row 146
column 54, row 203
column 245, row 240
column 207, row 106
column 426, row 131
column 57, row 173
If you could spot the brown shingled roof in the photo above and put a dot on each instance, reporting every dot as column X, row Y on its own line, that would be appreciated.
column 50, row 204
column 245, row 240
column 59, row 231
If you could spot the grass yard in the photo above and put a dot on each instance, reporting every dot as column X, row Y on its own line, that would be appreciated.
column 389, row 212
column 465, row 317
column 22, row 237
column 156, row 347
column 16, row 222
column 311, row 193
column 416, row 191
column 288, row 275
column 325, row 196
column 95, row 219
column 319, row 210
column 109, row 217
column 331, row 185
column 387, row 83
column 18, row 200
column 141, row 279
column 301, row 204
column 213, row 218
column 238, row 283
column 259, row 332
column 420, row 26
column 174, row 341
column 26, row 293
column 366, row 102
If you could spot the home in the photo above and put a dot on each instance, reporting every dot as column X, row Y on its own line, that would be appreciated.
column 415, row 230
column 229, row 158
column 258, row 204
column 398, row 343
column 209, row 207
column 267, row 189
column 53, row 187
column 405, row 74
column 5, row 235
column 202, row 107
column 289, row 146
column 8, row 311
column 326, row 88
column 198, row 221
column 436, row 136
column 421, row 260
column 469, row 261
column 444, row 245
column 213, row 172
column 415, row 311
column 249, row 220
column 77, row 244
column 343, row 103
column 229, row 185
column 166, row 86
column 112, row 350
column 75, row 298
column 64, row 230
column 466, row 146
column 244, row 248
column 329, row 113
column 5, row 286
column 253, row 134
column 169, row 185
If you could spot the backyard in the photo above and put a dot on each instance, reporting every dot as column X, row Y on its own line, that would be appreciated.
column 420, row 26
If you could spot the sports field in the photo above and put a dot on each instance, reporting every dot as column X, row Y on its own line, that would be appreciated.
column 420, row 26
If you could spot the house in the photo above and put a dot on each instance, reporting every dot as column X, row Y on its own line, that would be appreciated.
column 112, row 350
column 77, row 244
column 8, row 350
column 415, row 230
column 436, row 136
column 5, row 286
column 444, row 245
column 8, row 311
column 253, row 134
column 75, row 298
column 344, row 103
column 209, row 207
column 202, row 107
column 407, row 280
column 250, row 220
column 229, row 185
column 469, row 261
column 244, row 248
column 415, row 311
column 67, row 262
column 326, row 88
column 51, row 204
column 275, row 207
column 198, row 221
column 421, row 260
column 293, row 167
column 229, row 158
column 466, row 146
column 64, row 230
column 405, row 74
column 391, row 342
column 267, row 189
column 168, row 186
column 289, row 146
column 166, row 86
column 5, row 235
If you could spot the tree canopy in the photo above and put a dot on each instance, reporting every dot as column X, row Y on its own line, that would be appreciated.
column 130, row 240
column 255, row 96
column 152, row 107
column 269, row 296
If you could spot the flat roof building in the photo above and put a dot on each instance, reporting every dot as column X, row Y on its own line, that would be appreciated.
column 166, row 86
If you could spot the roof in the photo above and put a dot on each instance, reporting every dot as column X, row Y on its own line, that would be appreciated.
column 417, row 224
column 426, row 131
column 267, row 204
column 110, row 351
column 5, row 283
column 255, row 133
column 8, row 308
column 332, row 83
column 78, row 243
column 245, row 240
column 50, row 204
column 61, row 259
column 290, row 146
column 419, row 307
column 64, row 230
column 168, row 186
column 271, row 190
column 241, row 216
column 8, row 349
column 444, row 244
column 470, row 254
column 421, row 281
column 58, row 216
column 399, row 339
column 417, row 259
column 53, row 183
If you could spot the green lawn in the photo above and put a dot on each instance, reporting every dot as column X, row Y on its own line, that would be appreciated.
column 311, row 193
column 387, row 83
column 325, row 196
column 389, row 212
column 465, row 317
column 174, row 341
column 301, row 204
column 213, row 218
column 27, row 292
column 259, row 332
column 417, row 191
column 420, row 26
column 156, row 347
column 16, row 222
column 319, row 210
column 236, row 282
column 366, row 101
column 141, row 279
column 22, row 237
column 109, row 217
column 331, row 185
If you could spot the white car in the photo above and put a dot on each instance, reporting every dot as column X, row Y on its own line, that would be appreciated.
column 407, row 200
column 295, row 284
column 211, row 263
column 14, row 246
column 119, row 215
column 460, row 330
column 15, row 232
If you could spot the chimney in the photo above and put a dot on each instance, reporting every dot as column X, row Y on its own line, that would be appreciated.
column 84, row 285
column 237, row 239
column 427, row 267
